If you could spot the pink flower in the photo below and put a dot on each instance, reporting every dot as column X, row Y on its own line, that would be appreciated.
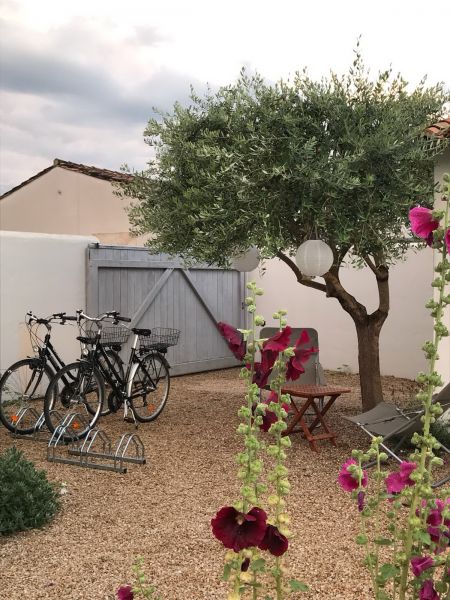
column 438, row 527
column 264, row 368
column 361, row 496
column 125, row 592
column 427, row 591
column 447, row 240
column 274, row 541
column 280, row 341
column 349, row 482
column 419, row 564
column 237, row 530
column 395, row 482
column 234, row 339
column 269, row 417
column 295, row 365
column 422, row 223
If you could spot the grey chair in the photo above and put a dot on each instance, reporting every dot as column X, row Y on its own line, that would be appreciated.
column 313, row 369
column 396, row 425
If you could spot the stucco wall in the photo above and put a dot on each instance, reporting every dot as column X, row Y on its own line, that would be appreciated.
column 67, row 202
column 443, row 366
column 402, row 336
column 44, row 273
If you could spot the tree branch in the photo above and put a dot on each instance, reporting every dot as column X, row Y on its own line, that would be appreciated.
column 298, row 274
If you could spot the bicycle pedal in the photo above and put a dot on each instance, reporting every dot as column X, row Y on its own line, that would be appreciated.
column 129, row 420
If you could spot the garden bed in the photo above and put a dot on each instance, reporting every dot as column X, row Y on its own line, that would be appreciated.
column 162, row 510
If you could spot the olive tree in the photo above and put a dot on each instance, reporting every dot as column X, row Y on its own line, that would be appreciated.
column 343, row 159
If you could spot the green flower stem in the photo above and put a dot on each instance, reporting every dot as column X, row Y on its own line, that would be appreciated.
column 425, row 440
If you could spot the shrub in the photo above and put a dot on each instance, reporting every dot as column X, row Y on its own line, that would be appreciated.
column 27, row 499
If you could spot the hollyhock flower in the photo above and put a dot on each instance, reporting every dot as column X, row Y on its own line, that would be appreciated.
column 245, row 565
column 280, row 341
column 419, row 564
column 395, row 482
column 264, row 368
column 234, row 339
column 237, row 530
column 422, row 223
column 361, row 496
column 295, row 365
column 438, row 527
column 447, row 240
column 347, row 481
column 125, row 592
column 427, row 591
column 269, row 417
column 274, row 541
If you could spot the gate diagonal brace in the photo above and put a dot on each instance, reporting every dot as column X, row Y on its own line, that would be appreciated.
column 40, row 432
column 95, row 451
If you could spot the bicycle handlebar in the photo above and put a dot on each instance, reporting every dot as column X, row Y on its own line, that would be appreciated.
column 112, row 314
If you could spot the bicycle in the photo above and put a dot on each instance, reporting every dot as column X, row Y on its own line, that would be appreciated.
column 143, row 390
column 24, row 384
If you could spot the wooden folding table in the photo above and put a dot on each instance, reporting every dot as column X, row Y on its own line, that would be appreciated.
column 318, row 397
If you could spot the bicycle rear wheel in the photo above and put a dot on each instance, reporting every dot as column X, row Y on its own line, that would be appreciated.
column 22, row 392
column 150, row 387
column 77, row 389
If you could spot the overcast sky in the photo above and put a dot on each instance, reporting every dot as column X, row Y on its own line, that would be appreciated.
column 79, row 79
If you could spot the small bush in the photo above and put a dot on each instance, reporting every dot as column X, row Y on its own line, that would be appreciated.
column 27, row 499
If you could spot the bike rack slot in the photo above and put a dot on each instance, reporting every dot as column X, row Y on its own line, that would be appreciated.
column 95, row 451
column 40, row 429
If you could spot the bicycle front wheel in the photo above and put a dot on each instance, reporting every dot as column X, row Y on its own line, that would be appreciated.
column 150, row 387
column 75, row 396
column 22, row 392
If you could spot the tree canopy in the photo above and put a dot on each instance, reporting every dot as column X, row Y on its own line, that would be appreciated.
column 342, row 159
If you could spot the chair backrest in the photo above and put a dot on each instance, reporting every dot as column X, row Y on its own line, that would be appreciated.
column 313, row 369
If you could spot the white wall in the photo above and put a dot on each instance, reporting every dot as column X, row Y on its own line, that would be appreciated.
column 443, row 365
column 44, row 273
column 403, row 333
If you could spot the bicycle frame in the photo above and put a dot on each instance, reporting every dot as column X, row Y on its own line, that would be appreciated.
column 120, row 386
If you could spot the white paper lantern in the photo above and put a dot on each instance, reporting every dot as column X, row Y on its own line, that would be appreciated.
column 248, row 261
column 314, row 257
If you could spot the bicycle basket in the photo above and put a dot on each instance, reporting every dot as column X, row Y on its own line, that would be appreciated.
column 160, row 337
column 116, row 335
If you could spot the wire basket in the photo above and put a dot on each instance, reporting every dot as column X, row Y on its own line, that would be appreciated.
column 114, row 335
column 160, row 338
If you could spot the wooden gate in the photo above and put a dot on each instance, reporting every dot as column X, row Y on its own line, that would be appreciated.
column 158, row 292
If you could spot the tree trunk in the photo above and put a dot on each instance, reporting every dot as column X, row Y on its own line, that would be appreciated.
column 369, row 363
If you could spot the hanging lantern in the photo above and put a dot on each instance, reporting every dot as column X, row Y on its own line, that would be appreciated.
column 314, row 257
column 247, row 261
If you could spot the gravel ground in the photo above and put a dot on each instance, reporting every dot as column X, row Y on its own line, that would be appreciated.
column 162, row 510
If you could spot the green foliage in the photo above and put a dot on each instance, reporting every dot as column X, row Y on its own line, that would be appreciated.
column 273, row 165
column 142, row 589
column 27, row 499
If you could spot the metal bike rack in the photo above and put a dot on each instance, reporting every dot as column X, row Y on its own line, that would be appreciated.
column 40, row 432
column 95, row 450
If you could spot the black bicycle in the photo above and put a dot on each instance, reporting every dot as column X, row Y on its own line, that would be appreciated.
column 142, row 388
column 24, row 384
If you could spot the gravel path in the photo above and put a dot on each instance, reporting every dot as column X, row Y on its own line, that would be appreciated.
column 162, row 510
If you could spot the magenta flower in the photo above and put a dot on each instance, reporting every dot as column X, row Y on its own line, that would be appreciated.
column 427, row 591
column 422, row 223
column 234, row 339
column 125, row 592
column 237, row 530
column 419, row 564
column 447, row 240
column 274, row 541
column 269, row 417
column 361, row 496
column 438, row 527
column 395, row 482
column 280, row 341
column 347, row 481
column 264, row 368
column 245, row 564
column 295, row 365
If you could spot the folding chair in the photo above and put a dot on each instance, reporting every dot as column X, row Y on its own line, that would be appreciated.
column 392, row 423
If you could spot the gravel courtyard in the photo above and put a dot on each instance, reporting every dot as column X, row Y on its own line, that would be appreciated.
column 162, row 510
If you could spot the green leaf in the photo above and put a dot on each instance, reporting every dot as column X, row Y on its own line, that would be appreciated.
column 383, row 542
column 422, row 536
column 361, row 539
column 387, row 571
column 298, row 586
column 226, row 572
column 258, row 565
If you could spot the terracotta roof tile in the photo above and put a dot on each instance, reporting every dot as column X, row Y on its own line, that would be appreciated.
column 440, row 129
column 96, row 172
